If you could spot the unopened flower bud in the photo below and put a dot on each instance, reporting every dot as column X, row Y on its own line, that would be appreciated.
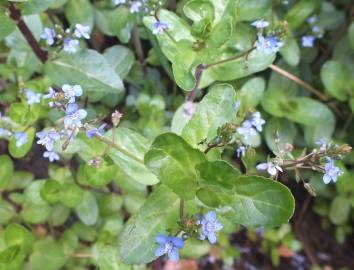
column 345, row 149
column 288, row 147
column 116, row 116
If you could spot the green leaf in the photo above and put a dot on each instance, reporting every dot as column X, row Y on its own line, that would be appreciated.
column 251, row 93
column 291, row 51
column 216, row 109
column 117, row 22
column 160, row 211
column 218, row 173
column 300, row 11
column 51, row 191
column 47, row 253
column 7, row 212
column 87, row 209
column 120, row 58
column 173, row 160
column 6, row 171
column 9, row 254
column 35, row 6
column 336, row 77
column 260, row 201
column 252, row 9
column 339, row 210
column 79, row 11
column 279, row 128
column 71, row 194
column 99, row 177
column 16, row 234
column 87, row 68
column 106, row 257
column 7, row 26
column 130, row 169
column 19, row 152
column 35, row 209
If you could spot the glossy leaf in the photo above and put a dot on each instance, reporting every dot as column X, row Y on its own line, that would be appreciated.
column 87, row 68
column 173, row 160
column 159, row 212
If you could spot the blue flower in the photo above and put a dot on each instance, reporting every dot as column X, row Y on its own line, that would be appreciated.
column 246, row 130
column 96, row 131
column 331, row 172
column 257, row 121
column 241, row 151
column 169, row 245
column 51, row 93
column 5, row 132
column 32, row 97
column 311, row 20
column 318, row 31
column 135, row 7
column 82, row 31
column 269, row 44
column 159, row 27
column 48, row 138
column 260, row 24
column 52, row 156
column 48, row 35
column 269, row 167
column 119, row 2
column 74, row 115
column 307, row 41
column 210, row 226
column 21, row 138
column 71, row 91
column 71, row 45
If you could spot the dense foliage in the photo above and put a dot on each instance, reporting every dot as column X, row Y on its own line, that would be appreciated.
column 146, row 129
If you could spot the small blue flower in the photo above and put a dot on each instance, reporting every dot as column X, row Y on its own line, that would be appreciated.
column 82, row 31
column 71, row 91
column 74, row 115
column 260, row 24
column 5, row 132
column 246, row 130
column 269, row 167
column 210, row 226
column 135, row 6
column 159, row 27
column 269, row 44
column 119, row 2
column 318, row 31
column 241, row 151
column 52, row 156
column 71, row 45
column 169, row 245
column 257, row 121
column 307, row 41
column 32, row 97
column 311, row 20
column 21, row 138
column 331, row 172
column 51, row 93
column 96, row 131
column 48, row 138
column 48, row 35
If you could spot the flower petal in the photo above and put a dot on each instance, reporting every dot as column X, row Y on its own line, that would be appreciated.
column 162, row 239
column 160, row 251
column 177, row 242
column 212, row 238
column 211, row 216
column 173, row 255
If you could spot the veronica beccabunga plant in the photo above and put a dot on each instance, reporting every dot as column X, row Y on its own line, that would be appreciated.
column 135, row 131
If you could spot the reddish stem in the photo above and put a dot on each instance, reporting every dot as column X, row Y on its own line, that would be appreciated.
column 15, row 14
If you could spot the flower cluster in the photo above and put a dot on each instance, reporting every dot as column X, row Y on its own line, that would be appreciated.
column 134, row 6
column 320, row 159
column 67, row 40
column 269, row 43
column 65, row 100
column 316, row 33
column 208, row 226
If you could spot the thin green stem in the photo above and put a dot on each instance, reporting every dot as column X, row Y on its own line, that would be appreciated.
column 181, row 210
column 119, row 148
